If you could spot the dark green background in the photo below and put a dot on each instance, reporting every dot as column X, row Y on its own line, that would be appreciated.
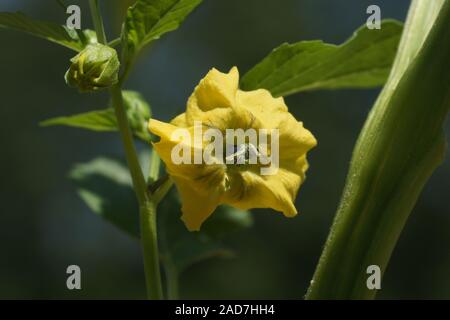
column 44, row 226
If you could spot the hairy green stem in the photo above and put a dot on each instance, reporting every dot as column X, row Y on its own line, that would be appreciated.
column 98, row 21
column 127, row 138
column 398, row 149
column 150, row 250
column 147, row 206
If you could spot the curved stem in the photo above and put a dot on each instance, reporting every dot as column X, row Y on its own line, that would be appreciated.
column 398, row 149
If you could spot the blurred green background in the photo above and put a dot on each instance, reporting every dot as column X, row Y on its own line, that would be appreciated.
column 44, row 226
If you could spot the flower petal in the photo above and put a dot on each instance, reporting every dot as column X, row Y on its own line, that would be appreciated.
column 273, row 191
column 216, row 90
column 272, row 113
column 200, row 185
column 180, row 121
column 202, row 175
column 196, row 206
column 261, row 103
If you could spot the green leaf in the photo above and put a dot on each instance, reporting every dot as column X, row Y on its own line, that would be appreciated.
column 138, row 112
column 43, row 29
column 147, row 20
column 98, row 120
column 105, row 186
column 363, row 61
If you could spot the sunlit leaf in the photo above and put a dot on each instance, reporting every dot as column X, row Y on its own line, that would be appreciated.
column 147, row 20
column 138, row 112
column 98, row 120
column 363, row 61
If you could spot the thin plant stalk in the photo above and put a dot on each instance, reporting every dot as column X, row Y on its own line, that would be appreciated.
column 147, row 205
column 98, row 21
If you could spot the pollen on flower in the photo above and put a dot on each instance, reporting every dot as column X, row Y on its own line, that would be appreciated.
column 244, row 154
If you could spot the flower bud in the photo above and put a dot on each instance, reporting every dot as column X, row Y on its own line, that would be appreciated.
column 94, row 68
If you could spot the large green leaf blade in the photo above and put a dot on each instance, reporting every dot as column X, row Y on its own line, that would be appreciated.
column 148, row 20
column 43, row 29
column 363, row 61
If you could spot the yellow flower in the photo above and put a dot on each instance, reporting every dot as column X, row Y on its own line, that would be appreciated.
column 218, row 103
